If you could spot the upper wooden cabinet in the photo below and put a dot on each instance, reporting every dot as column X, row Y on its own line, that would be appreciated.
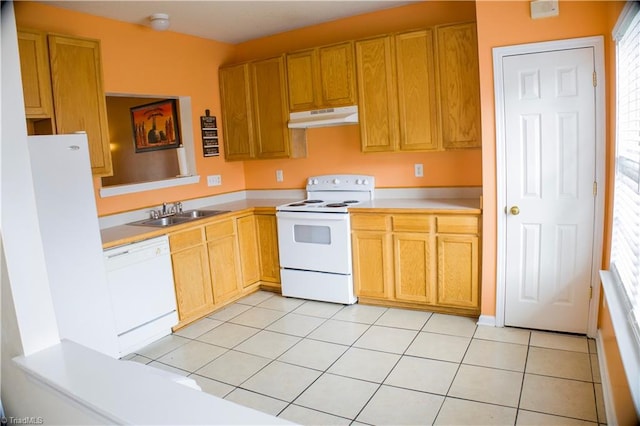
column 237, row 114
column 255, row 111
column 397, row 92
column 321, row 78
column 459, row 85
column 377, row 99
column 67, row 70
column 36, row 80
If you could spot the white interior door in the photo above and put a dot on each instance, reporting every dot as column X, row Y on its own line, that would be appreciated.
column 550, row 169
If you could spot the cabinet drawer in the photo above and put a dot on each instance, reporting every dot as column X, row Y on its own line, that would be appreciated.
column 412, row 223
column 369, row 222
column 219, row 229
column 457, row 224
column 184, row 239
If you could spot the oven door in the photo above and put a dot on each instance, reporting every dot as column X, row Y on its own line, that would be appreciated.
column 315, row 241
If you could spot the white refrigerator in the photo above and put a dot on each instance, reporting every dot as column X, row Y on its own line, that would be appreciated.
column 68, row 220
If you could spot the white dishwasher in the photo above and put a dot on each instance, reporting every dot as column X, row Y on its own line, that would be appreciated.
column 140, row 279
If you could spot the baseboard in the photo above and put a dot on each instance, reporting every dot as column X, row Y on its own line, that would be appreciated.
column 488, row 320
column 607, row 393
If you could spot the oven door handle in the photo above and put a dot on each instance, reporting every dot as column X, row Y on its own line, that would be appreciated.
column 313, row 216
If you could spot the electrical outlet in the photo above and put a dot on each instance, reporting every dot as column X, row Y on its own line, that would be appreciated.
column 214, row 180
column 279, row 176
column 418, row 170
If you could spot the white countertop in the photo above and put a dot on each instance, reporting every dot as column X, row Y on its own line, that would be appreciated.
column 418, row 200
column 126, row 393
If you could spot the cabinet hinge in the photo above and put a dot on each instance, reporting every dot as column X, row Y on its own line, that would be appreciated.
column 595, row 79
column 595, row 189
column 590, row 293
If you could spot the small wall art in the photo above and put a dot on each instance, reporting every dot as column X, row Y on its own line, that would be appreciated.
column 155, row 126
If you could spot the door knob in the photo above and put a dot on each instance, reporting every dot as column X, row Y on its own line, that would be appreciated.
column 515, row 210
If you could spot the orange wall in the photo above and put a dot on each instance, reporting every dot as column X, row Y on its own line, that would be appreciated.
column 138, row 60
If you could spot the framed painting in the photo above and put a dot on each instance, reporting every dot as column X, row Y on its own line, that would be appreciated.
column 155, row 126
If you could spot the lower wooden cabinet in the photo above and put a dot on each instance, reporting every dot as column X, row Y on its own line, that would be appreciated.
column 267, row 231
column 417, row 260
column 192, row 280
column 248, row 246
column 224, row 260
column 221, row 260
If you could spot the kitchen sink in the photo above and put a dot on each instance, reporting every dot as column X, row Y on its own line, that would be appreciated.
column 200, row 213
column 178, row 218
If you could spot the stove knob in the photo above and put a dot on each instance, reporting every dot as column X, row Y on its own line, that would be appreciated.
column 358, row 181
column 365, row 182
column 336, row 181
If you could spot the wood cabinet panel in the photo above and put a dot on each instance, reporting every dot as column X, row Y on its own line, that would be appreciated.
column 369, row 222
column 377, row 97
column 412, row 223
column 302, row 69
column 184, row 239
column 248, row 246
column 220, row 229
column 416, row 91
column 458, row 271
column 237, row 113
column 78, row 95
column 337, row 81
column 268, row 247
column 194, row 295
column 269, row 92
column 457, row 224
column 225, row 268
column 36, row 77
column 459, row 85
column 413, row 254
column 372, row 265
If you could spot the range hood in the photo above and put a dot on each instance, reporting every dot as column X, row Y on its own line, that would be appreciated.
column 324, row 117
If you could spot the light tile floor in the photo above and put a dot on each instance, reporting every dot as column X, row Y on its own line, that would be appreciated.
column 320, row 363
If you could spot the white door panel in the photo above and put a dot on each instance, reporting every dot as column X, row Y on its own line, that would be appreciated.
column 550, row 172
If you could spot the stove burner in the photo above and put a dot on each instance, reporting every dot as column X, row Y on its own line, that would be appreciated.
column 296, row 205
column 351, row 201
column 312, row 201
column 336, row 205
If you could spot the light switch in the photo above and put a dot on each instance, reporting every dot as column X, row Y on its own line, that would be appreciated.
column 214, row 180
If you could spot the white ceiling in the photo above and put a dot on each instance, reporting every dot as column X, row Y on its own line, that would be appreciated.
column 231, row 21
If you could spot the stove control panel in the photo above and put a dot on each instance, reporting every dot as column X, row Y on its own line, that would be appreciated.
column 341, row 183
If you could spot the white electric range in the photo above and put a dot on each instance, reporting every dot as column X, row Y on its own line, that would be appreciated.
column 314, row 237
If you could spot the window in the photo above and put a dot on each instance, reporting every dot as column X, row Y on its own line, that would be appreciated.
column 625, row 251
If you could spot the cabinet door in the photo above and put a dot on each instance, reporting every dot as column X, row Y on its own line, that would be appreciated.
column 237, row 116
column 225, row 268
column 269, row 92
column 416, row 91
column 78, row 95
column 459, row 85
column 372, row 267
column 414, row 274
column 191, row 277
column 268, row 246
column 248, row 246
column 458, row 271
column 36, row 78
column 377, row 96
column 337, row 81
column 302, row 79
